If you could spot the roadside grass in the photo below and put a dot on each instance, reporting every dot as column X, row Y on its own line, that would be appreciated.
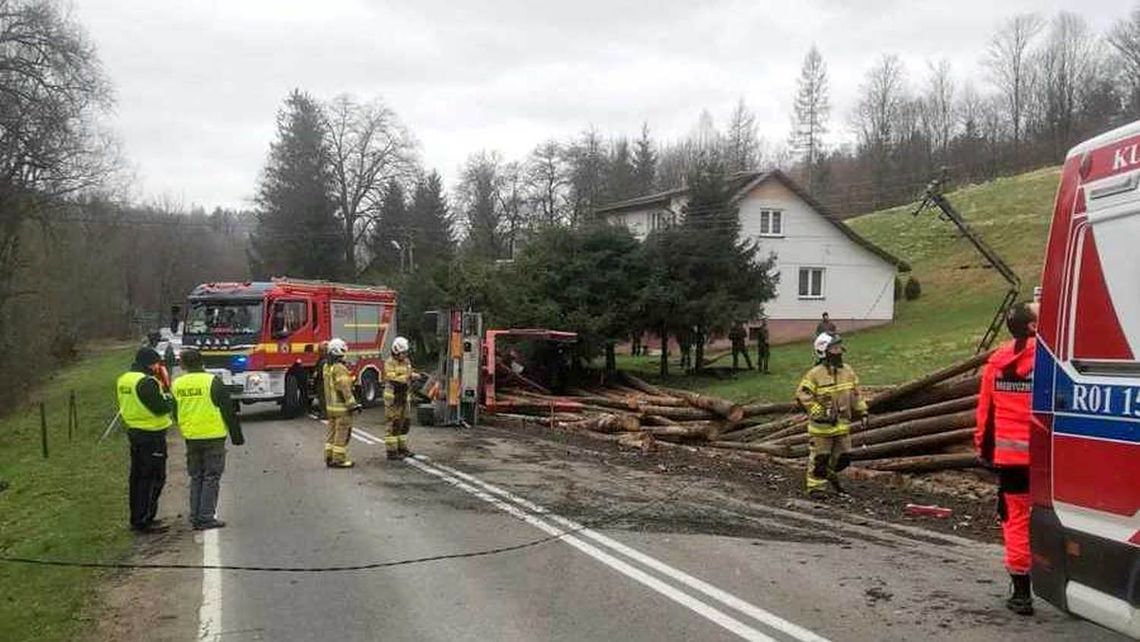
column 69, row 506
column 959, row 293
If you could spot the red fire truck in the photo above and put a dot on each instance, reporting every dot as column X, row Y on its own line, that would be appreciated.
column 262, row 337
column 1085, row 452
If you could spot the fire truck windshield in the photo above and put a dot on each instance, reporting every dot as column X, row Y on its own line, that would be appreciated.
column 224, row 317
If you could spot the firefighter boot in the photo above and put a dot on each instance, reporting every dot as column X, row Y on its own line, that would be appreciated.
column 391, row 445
column 1021, row 602
column 328, row 455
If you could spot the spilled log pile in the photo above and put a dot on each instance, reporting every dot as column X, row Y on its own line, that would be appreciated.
column 919, row 426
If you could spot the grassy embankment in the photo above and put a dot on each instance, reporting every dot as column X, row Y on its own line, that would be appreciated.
column 70, row 506
column 958, row 299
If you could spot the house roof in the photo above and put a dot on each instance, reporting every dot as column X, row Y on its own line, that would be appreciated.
column 744, row 182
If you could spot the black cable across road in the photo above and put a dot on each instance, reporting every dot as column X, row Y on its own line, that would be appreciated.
column 672, row 495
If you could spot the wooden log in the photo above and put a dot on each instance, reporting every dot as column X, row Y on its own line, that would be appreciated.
column 756, row 432
column 606, row 424
column 892, row 418
column 701, row 430
column 679, row 414
column 923, row 463
column 906, row 429
column 641, row 385
column 768, row 449
column 722, row 407
column 913, row 445
column 794, row 429
column 883, row 400
column 754, row 409
column 937, row 394
column 658, row 420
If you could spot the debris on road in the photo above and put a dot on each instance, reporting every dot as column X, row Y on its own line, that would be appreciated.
column 928, row 511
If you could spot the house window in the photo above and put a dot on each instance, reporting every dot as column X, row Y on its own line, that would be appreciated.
column 811, row 283
column 771, row 223
column 660, row 220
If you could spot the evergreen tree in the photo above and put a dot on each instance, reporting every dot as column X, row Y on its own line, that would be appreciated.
column 297, row 232
column 433, row 235
column 392, row 242
column 809, row 116
column 644, row 163
column 621, row 179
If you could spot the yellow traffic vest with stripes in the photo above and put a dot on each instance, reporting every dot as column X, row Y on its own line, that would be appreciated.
column 135, row 414
column 396, row 371
column 338, row 382
column 198, row 417
column 831, row 399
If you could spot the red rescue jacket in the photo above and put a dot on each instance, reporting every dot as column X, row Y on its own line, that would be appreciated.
column 1001, row 436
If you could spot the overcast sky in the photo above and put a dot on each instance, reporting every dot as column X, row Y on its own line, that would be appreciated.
column 198, row 81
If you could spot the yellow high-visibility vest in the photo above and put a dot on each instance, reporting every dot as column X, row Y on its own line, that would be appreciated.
column 135, row 414
column 198, row 417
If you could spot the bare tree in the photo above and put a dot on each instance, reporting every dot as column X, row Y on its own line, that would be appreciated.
column 478, row 197
column 809, row 114
column 515, row 213
column 587, row 159
column 1125, row 40
column 546, row 175
column 1008, row 61
column 741, row 151
column 369, row 147
column 938, row 108
column 1064, row 66
column 881, row 103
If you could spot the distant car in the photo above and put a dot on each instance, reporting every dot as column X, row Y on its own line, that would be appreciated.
column 168, row 339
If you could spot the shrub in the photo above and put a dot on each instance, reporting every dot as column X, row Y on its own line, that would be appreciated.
column 913, row 289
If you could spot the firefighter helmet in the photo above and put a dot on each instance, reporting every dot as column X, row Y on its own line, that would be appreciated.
column 400, row 346
column 825, row 341
column 338, row 348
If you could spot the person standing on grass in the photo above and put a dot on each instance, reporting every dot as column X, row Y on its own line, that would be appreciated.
column 825, row 326
column 739, row 338
column 206, row 417
column 762, row 348
column 145, row 409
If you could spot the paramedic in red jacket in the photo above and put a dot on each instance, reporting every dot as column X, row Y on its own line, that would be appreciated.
column 1002, row 441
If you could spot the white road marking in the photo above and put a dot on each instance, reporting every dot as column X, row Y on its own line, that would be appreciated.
column 210, row 613
column 720, row 595
column 365, row 438
column 378, row 440
column 705, row 610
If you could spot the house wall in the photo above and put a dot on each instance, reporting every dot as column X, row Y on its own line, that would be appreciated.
column 858, row 285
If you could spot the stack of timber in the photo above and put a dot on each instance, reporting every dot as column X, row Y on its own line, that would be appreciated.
column 919, row 426
column 630, row 405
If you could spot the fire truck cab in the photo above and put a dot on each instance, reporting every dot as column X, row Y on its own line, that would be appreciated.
column 1085, row 446
column 262, row 338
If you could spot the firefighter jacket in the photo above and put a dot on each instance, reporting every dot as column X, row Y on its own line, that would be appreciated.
column 397, row 376
column 1001, row 435
column 338, row 382
column 832, row 400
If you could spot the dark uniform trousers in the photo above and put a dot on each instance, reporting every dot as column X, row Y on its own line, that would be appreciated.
column 148, row 473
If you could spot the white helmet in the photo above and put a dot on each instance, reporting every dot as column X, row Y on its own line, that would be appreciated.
column 338, row 348
column 825, row 341
column 400, row 346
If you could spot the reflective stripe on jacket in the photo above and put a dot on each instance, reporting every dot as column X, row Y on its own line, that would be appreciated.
column 1001, row 435
column 338, row 383
column 135, row 414
column 198, row 416
column 832, row 399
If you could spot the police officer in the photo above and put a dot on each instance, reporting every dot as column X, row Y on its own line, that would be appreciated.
column 397, row 377
column 145, row 409
column 206, row 416
column 340, row 403
column 763, row 351
column 829, row 393
column 1001, row 438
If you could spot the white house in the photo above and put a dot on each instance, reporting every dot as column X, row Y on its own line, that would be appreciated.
column 824, row 266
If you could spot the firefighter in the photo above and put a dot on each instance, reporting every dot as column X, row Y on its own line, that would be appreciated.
column 340, row 403
column 397, row 377
column 145, row 408
column 206, row 417
column 829, row 393
column 1002, row 442
column 319, row 379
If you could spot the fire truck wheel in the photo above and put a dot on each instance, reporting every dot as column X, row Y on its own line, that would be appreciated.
column 370, row 389
column 294, row 402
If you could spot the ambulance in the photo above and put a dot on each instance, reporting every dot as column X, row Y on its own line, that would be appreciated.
column 1085, row 446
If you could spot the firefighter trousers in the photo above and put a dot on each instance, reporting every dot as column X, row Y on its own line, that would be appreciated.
column 826, row 457
column 396, row 439
column 337, row 434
